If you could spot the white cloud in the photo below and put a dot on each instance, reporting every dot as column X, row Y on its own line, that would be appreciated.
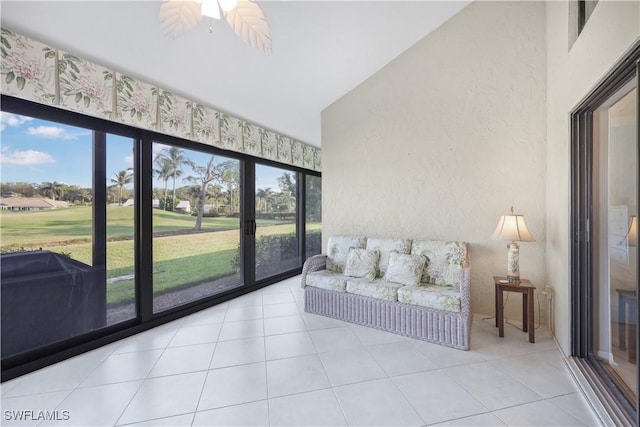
column 25, row 158
column 50, row 132
column 14, row 120
column 128, row 160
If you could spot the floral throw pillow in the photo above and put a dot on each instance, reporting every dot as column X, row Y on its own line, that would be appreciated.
column 361, row 263
column 404, row 269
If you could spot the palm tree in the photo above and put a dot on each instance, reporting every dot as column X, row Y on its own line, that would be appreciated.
column 120, row 179
column 163, row 172
column 176, row 158
column 54, row 190
column 261, row 196
column 269, row 197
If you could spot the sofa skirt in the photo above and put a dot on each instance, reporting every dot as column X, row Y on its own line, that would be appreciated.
column 437, row 326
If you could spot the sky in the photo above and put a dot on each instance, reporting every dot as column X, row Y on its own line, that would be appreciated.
column 34, row 150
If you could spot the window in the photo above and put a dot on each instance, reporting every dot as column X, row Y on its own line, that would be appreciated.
column 313, row 213
column 64, row 273
column 196, row 225
column 579, row 13
column 108, row 230
column 276, row 237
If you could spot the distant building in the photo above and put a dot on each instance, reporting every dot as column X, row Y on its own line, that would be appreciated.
column 207, row 209
column 183, row 206
column 155, row 204
column 129, row 202
column 31, row 203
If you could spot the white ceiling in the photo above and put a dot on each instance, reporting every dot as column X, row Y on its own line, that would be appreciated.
column 321, row 50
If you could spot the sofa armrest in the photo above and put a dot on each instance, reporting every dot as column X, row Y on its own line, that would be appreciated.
column 465, row 293
column 314, row 263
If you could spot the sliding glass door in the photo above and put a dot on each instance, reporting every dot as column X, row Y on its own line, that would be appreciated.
column 196, row 225
column 67, row 232
column 616, row 235
column 604, row 247
column 107, row 230
column 277, row 242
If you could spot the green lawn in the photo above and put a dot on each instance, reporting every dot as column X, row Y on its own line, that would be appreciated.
column 42, row 228
column 178, row 260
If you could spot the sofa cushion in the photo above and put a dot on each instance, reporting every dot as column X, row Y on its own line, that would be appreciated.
column 376, row 289
column 325, row 279
column 338, row 249
column 432, row 296
column 385, row 247
column 404, row 269
column 361, row 263
column 445, row 261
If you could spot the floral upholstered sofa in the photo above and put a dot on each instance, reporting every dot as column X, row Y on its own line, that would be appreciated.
column 417, row 288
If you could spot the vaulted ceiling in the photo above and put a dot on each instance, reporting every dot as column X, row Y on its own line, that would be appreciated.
column 321, row 50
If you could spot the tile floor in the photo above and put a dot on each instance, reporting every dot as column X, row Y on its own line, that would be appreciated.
column 260, row 360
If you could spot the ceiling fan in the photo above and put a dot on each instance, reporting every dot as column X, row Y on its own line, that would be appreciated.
column 244, row 17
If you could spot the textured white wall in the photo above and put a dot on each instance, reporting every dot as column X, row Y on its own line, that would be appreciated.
column 444, row 139
column 571, row 75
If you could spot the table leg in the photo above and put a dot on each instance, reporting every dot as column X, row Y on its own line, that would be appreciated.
column 622, row 323
column 525, row 311
column 500, row 313
column 532, row 328
column 496, row 302
column 633, row 315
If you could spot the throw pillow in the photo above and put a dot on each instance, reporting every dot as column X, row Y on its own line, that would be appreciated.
column 404, row 269
column 361, row 263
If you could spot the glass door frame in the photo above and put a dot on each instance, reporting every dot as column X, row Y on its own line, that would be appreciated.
column 582, row 232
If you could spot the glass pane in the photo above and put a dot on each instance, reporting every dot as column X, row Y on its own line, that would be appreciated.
column 277, row 248
column 52, row 288
column 120, row 230
column 196, row 225
column 615, row 296
column 313, row 220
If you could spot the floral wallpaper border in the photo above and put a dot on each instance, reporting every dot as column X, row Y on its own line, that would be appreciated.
column 37, row 72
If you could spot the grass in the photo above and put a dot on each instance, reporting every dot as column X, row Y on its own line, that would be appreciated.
column 178, row 260
column 74, row 225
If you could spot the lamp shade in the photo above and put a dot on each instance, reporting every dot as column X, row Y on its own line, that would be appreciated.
column 512, row 227
column 632, row 234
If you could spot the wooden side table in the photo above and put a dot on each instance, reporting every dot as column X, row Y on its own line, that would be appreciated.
column 526, row 288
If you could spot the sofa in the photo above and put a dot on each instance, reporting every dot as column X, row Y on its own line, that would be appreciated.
column 416, row 288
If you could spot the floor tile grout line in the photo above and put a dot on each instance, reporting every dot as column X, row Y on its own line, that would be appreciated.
column 145, row 378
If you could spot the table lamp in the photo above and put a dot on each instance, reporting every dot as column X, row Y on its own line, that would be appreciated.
column 513, row 228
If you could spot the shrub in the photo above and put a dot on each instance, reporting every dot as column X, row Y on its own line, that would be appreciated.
column 275, row 252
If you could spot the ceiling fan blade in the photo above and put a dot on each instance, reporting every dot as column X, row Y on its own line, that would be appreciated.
column 178, row 16
column 248, row 22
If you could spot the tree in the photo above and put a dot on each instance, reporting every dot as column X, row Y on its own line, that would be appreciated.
column 230, row 175
column 120, row 179
column 267, row 195
column 204, row 176
column 164, row 172
column 54, row 190
column 176, row 158
column 261, row 196
column 287, row 191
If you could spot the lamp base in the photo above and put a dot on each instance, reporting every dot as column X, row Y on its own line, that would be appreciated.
column 513, row 262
